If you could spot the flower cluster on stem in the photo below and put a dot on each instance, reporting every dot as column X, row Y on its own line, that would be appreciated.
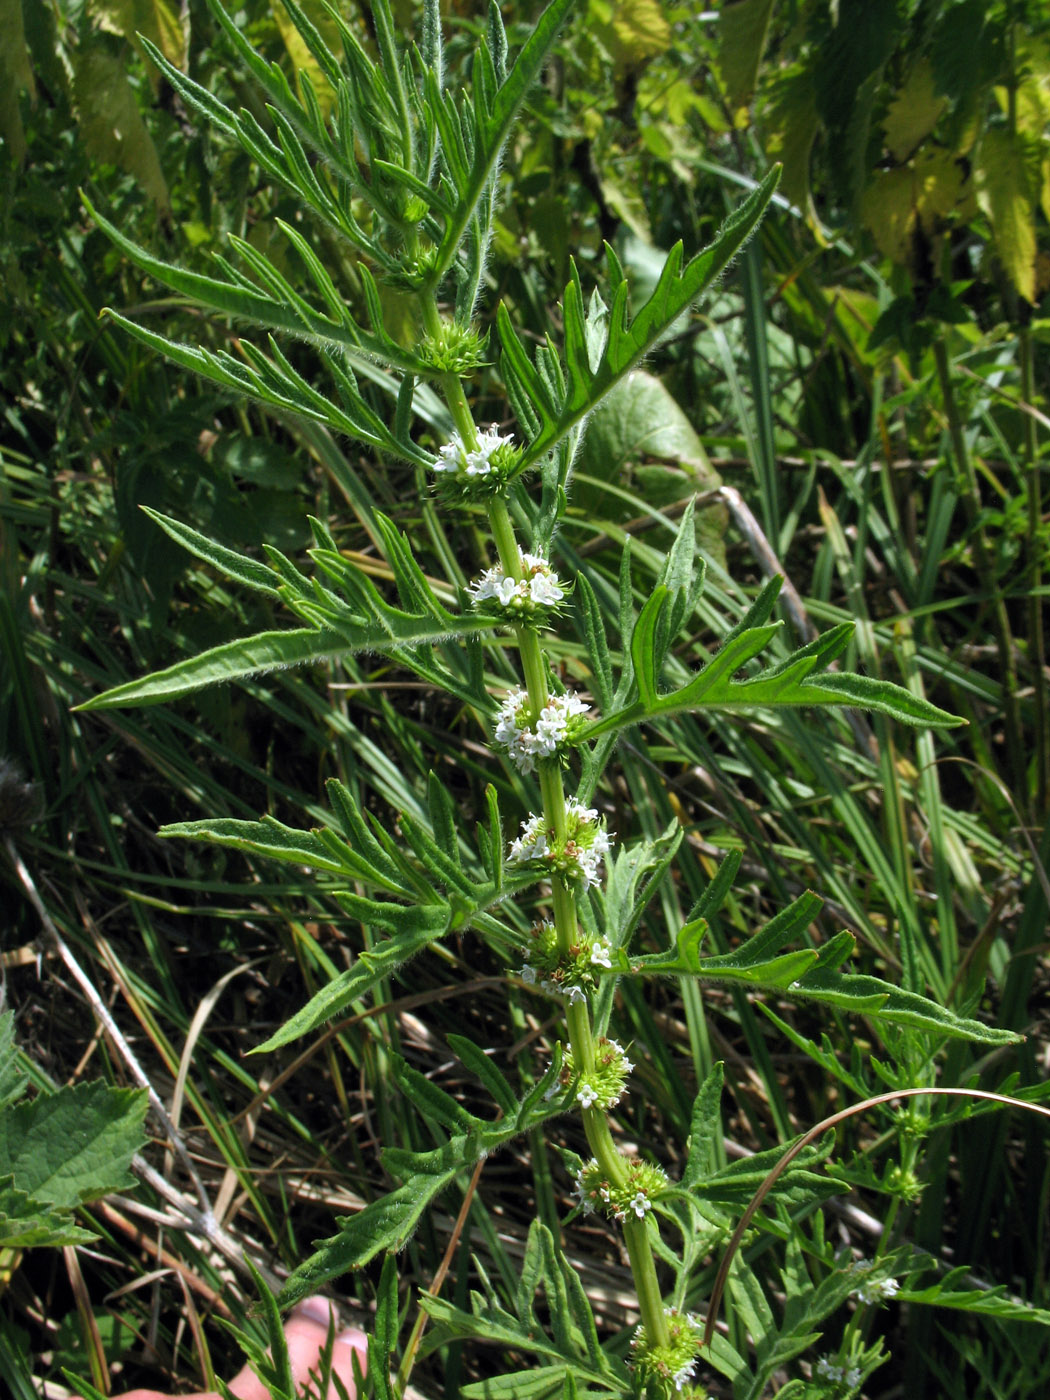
column 532, row 598
column 478, row 471
column 835, row 1374
column 526, row 740
column 603, row 1086
column 571, row 975
column 633, row 1196
column 870, row 1290
column 577, row 858
column 673, row 1363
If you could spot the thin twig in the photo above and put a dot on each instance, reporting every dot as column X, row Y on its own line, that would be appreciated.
column 104, row 1015
column 796, row 1147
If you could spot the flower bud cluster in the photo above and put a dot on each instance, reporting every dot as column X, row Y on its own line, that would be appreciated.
column 454, row 349
column 554, row 726
column 571, row 975
column 475, row 473
column 575, row 860
column 594, row 1192
column 675, row 1363
column 531, row 598
column 870, row 1290
column 834, row 1374
column 604, row 1086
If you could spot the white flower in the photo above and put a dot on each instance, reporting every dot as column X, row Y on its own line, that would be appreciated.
column 684, row 1374
column 538, row 586
column 587, row 1094
column 873, row 1290
column 451, row 456
column 578, row 859
column 527, row 974
column 457, row 459
column 827, row 1370
column 640, row 1205
column 524, row 741
column 600, row 952
column 852, row 1376
column 574, row 993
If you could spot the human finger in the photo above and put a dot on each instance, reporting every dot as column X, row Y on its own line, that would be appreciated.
column 306, row 1332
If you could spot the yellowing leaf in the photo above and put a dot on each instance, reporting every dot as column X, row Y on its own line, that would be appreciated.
column 110, row 123
column 887, row 207
column 16, row 75
column 1003, row 194
column 302, row 59
column 913, row 113
column 792, row 123
column 742, row 29
column 918, row 198
column 158, row 20
column 635, row 31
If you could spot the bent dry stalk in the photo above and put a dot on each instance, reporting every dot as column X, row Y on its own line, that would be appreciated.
column 422, row 159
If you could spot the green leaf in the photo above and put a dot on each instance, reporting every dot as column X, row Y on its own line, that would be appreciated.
column 989, row 1302
column 12, row 1081
column 431, row 922
column 253, row 656
column 492, row 131
column 394, row 635
column 870, row 996
column 742, row 37
column 480, row 1064
column 798, row 681
column 73, row 1145
column 236, row 566
column 385, row 1224
column 26, row 1223
column 627, row 342
column 705, row 1129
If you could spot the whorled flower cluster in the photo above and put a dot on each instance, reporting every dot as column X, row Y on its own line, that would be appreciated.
column 477, row 472
column 572, row 975
column 595, row 1192
column 531, row 598
column 604, row 1086
column 873, row 1290
column 577, row 859
column 525, row 740
column 831, row 1371
column 673, row 1364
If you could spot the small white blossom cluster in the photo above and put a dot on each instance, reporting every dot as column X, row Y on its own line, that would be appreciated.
column 594, row 1192
column 684, row 1374
column 873, row 1290
column 525, row 741
column 607, row 1083
column 572, row 975
column 587, row 1094
column 572, row 991
column 578, row 858
column 828, row 1370
column 456, row 459
column 676, row 1363
column 538, row 588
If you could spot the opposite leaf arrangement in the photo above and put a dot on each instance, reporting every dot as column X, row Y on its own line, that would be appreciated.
column 404, row 169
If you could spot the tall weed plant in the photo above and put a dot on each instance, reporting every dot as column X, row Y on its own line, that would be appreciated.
column 548, row 667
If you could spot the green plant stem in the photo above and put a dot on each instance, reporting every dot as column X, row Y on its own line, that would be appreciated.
column 986, row 573
column 552, row 790
column 578, row 1015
